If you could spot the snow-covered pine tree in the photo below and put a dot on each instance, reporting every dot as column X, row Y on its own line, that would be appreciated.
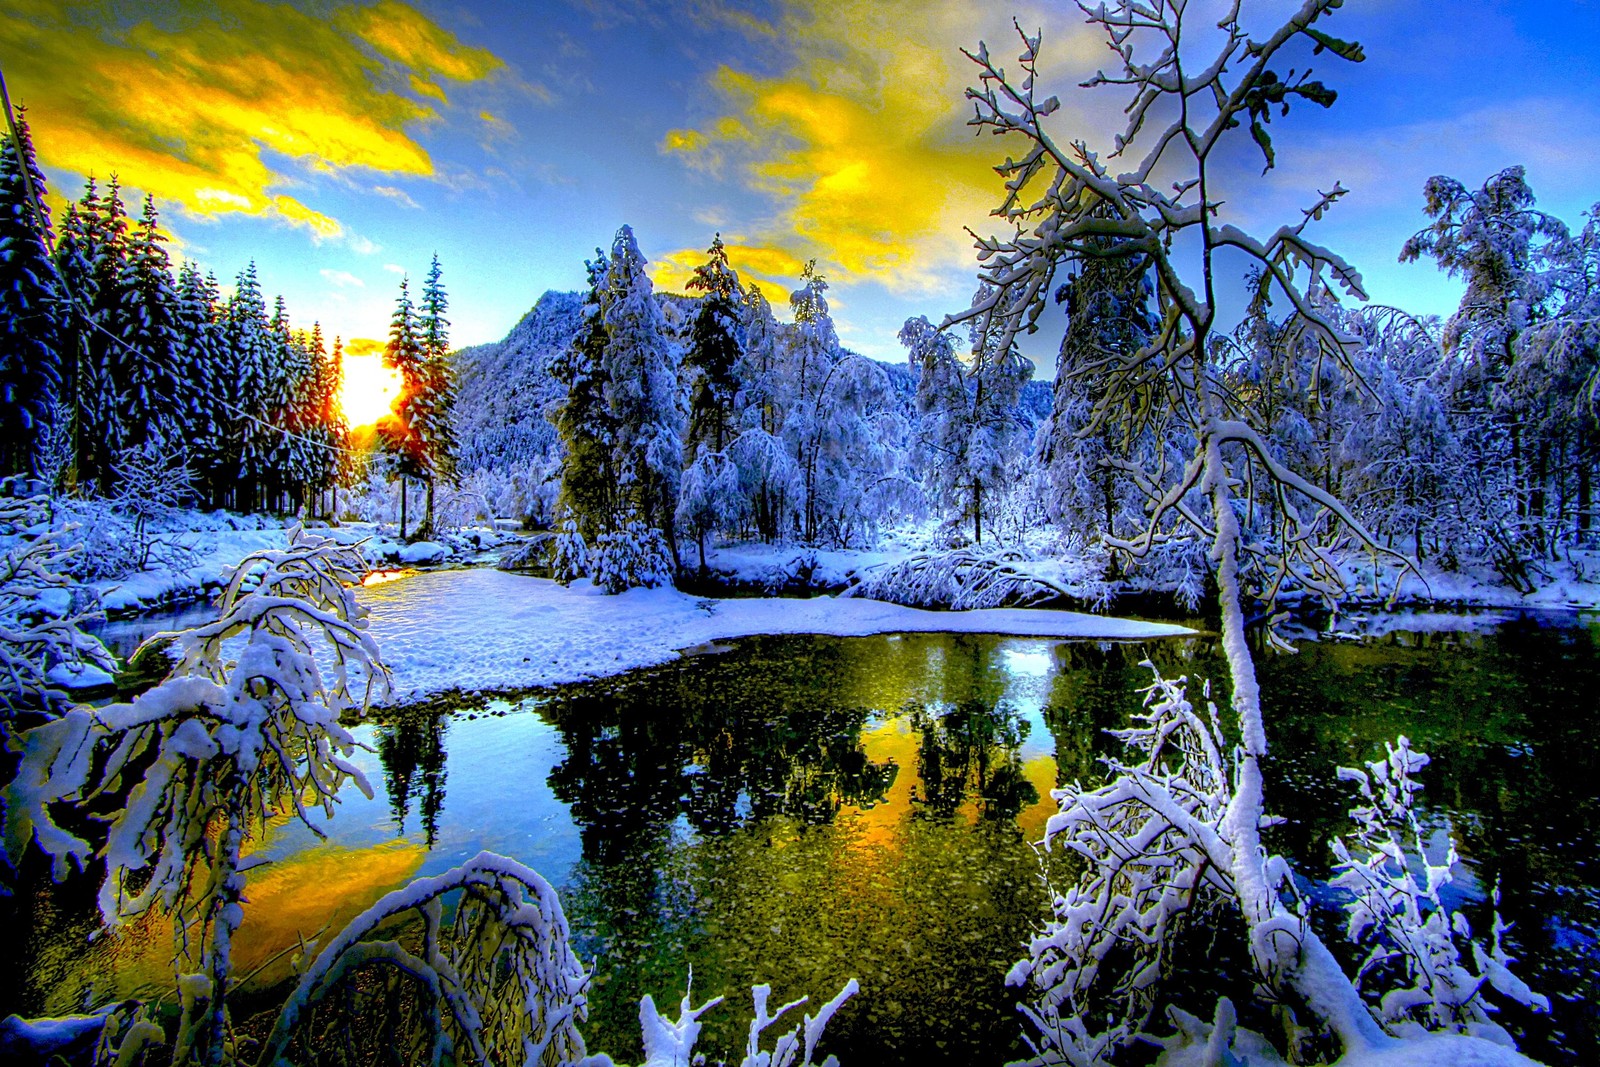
column 429, row 409
column 211, row 378
column 244, row 395
column 642, row 391
column 589, row 496
column 714, row 352
column 322, row 417
column 155, row 400
column 1496, row 241
column 90, row 258
column 399, row 432
column 32, row 308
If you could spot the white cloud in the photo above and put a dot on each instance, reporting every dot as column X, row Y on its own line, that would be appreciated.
column 343, row 278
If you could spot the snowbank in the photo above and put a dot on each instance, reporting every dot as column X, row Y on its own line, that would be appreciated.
column 484, row 629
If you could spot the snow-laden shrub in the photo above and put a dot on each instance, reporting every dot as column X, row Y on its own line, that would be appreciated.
column 247, row 725
column 633, row 556
column 1414, row 968
column 1155, row 862
column 496, row 983
column 1160, row 842
column 962, row 579
column 42, row 610
column 569, row 556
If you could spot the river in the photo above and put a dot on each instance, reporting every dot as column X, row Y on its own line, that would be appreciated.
column 801, row 810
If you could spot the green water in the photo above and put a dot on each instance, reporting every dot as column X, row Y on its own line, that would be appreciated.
column 800, row 811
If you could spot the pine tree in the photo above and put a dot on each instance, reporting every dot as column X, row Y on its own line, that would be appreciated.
column 32, row 309
column 429, row 408
column 154, row 393
column 642, row 392
column 400, row 434
column 90, row 258
column 589, row 496
column 208, row 372
column 250, row 439
column 714, row 350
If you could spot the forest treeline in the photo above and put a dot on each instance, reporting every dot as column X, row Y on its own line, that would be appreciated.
column 119, row 376
column 643, row 424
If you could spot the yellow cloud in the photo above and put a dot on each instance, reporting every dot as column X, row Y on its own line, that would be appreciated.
column 862, row 144
column 775, row 271
column 186, row 104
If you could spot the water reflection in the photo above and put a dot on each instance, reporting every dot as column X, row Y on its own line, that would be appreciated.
column 412, row 751
column 804, row 810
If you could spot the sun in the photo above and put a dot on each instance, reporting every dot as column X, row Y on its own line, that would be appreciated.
column 370, row 389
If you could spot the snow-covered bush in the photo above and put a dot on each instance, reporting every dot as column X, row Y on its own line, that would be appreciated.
column 569, row 556
column 498, row 982
column 246, row 725
column 1160, row 846
column 1157, row 859
column 633, row 556
column 1414, row 968
column 963, row 579
column 42, row 610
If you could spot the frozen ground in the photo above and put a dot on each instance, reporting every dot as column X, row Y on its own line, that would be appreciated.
column 213, row 542
column 484, row 629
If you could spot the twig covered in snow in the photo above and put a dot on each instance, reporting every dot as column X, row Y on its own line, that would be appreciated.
column 1414, row 966
column 498, row 981
column 41, row 614
column 218, row 746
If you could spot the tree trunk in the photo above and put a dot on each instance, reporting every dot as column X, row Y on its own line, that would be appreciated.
column 402, row 507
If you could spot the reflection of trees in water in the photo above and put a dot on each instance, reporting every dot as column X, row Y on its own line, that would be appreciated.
column 636, row 761
column 412, row 751
column 971, row 748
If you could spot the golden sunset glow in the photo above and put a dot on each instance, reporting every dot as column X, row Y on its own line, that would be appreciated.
column 370, row 389
column 204, row 104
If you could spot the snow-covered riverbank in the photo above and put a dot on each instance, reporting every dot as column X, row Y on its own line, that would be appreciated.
column 482, row 629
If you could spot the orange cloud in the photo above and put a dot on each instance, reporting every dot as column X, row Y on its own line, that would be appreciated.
column 862, row 144
column 187, row 104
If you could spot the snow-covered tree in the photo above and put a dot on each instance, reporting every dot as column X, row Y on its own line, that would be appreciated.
column 400, row 432
column 1496, row 241
column 427, row 407
column 715, row 347
column 32, row 307
column 589, row 484
column 969, row 439
column 155, row 391
column 1188, row 821
column 641, row 390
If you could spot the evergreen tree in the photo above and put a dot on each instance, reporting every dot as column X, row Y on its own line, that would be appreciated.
column 155, row 400
column 714, row 350
column 400, row 433
column 589, row 489
column 429, row 408
column 91, row 258
column 249, row 440
column 642, row 391
column 209, row 374
column 32, row 309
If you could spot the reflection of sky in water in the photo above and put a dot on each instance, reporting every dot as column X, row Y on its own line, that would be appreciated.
column 780, row 741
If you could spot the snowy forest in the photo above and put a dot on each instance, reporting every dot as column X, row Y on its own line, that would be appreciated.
column 1234, row 446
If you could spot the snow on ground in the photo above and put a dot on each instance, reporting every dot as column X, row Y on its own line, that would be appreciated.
column 483, row 629
column 213, row 543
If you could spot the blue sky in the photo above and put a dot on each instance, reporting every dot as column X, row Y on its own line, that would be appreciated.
column 340, row 145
